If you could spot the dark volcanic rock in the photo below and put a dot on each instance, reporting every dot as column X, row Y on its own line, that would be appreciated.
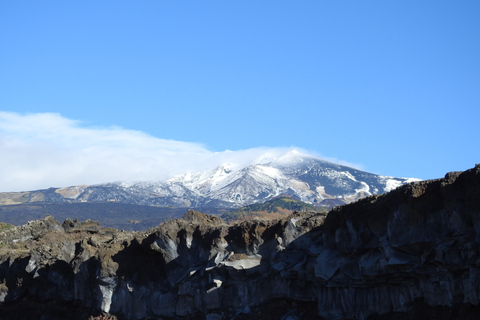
column 415, row 248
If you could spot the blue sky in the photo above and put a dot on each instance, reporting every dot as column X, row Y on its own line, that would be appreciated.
column 391, row 86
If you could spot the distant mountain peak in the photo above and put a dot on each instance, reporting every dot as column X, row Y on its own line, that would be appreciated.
column 292, row 156
column 310, row 179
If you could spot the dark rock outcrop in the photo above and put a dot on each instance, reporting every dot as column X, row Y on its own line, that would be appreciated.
column 382, row 254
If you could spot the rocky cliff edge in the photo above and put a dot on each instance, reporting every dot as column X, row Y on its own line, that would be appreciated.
column 377, row 256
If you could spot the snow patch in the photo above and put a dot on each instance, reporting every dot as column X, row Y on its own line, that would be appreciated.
column 363, row 188
column 391, row 184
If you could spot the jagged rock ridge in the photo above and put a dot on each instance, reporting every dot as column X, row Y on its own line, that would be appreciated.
column 372, row 257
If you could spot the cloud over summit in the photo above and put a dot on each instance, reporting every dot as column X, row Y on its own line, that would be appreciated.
column 45, row 150
column 48, row 150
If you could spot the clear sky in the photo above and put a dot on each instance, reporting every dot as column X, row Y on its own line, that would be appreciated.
column 391, row 86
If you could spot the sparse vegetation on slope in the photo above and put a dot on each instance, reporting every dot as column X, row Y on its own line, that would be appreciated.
column 5, row 226
column 278, row 207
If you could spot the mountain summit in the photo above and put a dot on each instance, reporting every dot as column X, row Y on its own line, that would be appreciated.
column 305, row 177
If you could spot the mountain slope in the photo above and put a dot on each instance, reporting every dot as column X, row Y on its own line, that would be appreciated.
column 310, row 179
column 275, row 208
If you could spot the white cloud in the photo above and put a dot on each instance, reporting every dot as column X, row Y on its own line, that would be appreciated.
column 47, row 150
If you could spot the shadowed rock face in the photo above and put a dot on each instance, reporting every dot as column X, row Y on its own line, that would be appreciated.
column 382, row 254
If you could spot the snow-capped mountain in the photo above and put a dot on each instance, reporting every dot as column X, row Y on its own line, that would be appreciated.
column 310, row 179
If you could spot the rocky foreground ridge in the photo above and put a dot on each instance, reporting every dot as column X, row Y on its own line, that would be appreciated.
column 420, row 243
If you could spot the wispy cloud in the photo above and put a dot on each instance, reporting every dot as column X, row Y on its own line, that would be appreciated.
column 48, row 150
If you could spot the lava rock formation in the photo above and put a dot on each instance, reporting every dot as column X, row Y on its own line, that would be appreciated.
column 381, row 254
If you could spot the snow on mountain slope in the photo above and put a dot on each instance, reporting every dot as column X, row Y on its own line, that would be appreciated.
column 308, row 178
column 311, row 179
